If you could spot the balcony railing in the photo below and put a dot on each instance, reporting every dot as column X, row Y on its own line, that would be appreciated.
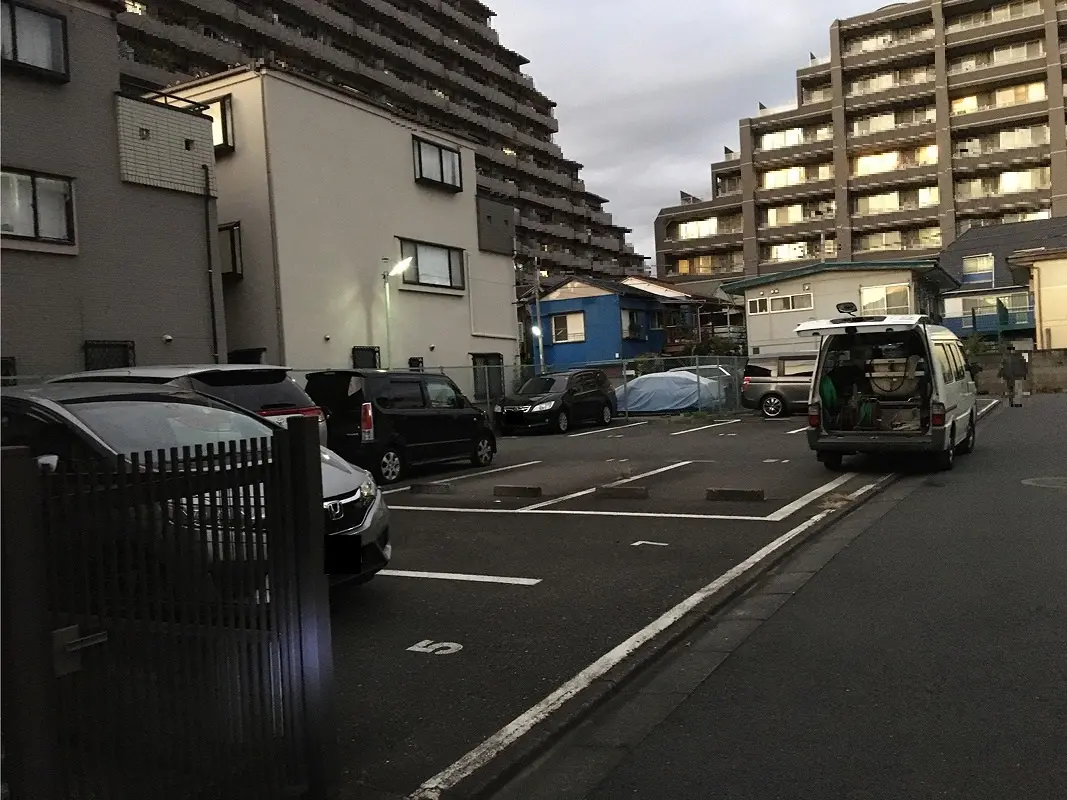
column 899, row 208
column 988, row 106
column 890, row 39
column 994, row 16
column 989, row 322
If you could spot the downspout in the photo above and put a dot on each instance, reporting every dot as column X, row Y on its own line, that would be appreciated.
column 280, row 329
column 210, row 264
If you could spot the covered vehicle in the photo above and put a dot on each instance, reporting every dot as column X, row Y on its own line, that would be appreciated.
column 663, row 392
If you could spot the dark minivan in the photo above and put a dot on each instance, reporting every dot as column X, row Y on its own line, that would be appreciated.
column 387, row 421
column 558, row 400
column 778, row 385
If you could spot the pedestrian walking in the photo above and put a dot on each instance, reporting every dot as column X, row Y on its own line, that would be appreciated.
column 1013, row 368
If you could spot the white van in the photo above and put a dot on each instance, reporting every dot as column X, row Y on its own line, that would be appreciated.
column 874, row 391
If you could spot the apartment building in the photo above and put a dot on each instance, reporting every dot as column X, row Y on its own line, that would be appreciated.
column 438, row 62
column 108, row 225
column 927, row 119
column 351, row 236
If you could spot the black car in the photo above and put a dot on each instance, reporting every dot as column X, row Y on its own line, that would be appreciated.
column 558, row 400
column 388, row 421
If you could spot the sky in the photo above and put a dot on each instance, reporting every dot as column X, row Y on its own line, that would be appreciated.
column 648, row 92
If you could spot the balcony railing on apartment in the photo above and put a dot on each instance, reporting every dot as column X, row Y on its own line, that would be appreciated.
column 994, row 16
column 989, row 322
column 888, row 39
column 901, row 207
column 765, row 112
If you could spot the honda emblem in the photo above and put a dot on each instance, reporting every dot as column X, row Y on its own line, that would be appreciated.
column 335, row 510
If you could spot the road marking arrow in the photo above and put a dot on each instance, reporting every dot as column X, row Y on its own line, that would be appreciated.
column 657, row 544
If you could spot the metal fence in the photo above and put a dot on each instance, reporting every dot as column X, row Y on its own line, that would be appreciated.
column 166, row 625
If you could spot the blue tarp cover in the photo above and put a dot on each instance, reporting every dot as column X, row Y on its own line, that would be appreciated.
column 669, row 391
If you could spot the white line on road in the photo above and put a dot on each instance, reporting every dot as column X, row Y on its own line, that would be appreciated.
column 522, row 724
column 705, row 427
column 988, row 408
column 577, row 513
column 459, row 576
column 810, row 497
column 468, row 475
column 655, row 544
column 798, row 430
column 607, row 430
column 584, row 492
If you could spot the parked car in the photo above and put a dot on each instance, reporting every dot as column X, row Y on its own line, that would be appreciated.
column 777, row 385
column 267, row 390
column 558, row 400
column 889, row 384
column 81, row 421
column 390, row 421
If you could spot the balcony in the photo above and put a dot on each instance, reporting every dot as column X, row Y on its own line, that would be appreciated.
column 913, row 43
column 989, row 322
column 988, row 31
column 797, row 190
column 988, row 114
column 1000, row 160
column 908, row 215
column 705, row 244
column 808, row 150
column 802, row 229
column 775, row 118
column 891, row 95
column 908, row 172
column 898, row 135
column 982, row 74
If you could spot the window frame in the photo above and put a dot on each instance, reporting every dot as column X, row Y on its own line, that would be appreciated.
column 980, row 276
column 565, row 315
column 33, row 175
column 767, row 303
column 885, row 298
column 944, row 362
column 33, row 69
column 236, row 267
column 411, row 276
column 421, row 178
column 103, row 344
column 228, row 143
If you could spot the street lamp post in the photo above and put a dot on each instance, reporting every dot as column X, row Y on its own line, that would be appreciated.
column 397, row 269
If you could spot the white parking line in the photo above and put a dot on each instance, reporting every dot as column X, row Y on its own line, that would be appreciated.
column 459, row 576
column 522, row 724
column 607, row 430
column 810, row 497
column 584, row 492
column 798, row 430
column 468, row 475
column 705, row 427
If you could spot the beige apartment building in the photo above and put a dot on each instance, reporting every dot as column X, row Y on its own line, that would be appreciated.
column 1045, row 271
column 320, row 196
column 926, row 119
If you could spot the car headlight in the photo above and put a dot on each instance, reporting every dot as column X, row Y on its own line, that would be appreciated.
column 368, row 488
column 543, row 406
column 497, row 409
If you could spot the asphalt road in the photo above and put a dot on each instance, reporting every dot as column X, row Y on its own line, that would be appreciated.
column 925, row 657
column 584, row 585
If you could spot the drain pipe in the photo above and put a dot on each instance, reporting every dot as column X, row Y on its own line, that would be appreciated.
column 210, row 265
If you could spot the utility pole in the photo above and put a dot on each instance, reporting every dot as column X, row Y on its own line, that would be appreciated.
column 537, row 315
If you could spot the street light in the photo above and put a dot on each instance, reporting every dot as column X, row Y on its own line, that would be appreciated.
column 397, row 269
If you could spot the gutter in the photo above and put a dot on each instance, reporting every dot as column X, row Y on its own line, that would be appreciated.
column 272, row 213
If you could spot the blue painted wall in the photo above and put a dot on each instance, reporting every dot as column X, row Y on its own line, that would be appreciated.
column 604, row 339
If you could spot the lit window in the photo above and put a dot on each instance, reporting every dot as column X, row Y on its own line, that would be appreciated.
column 568, row 328
column 978, row 269
column 35, row 40
column 37, row 207
column 881, row 300
column 878, row 162
column 432, row 265
column 437, row 165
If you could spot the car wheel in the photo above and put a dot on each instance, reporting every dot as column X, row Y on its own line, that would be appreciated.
column 483, row 453
column 832, row 461
column 563, row 421
column 967, row 445
column 605, row 415
column 772, row 406
column 946, row 459
column 391, row 465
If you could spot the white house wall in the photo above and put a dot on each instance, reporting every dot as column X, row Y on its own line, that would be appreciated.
column 772, row 333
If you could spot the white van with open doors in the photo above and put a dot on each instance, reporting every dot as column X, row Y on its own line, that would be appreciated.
column 889, row 384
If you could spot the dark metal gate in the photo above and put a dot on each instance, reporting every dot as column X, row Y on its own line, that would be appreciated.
column 166, row 626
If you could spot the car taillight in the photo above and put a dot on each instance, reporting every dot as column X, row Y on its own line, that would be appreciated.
column 937, row 415
column 366, row 423
column 310, row 411
column 814, row 416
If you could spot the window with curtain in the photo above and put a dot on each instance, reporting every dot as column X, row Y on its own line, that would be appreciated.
column 36, row 207
column 437, row 165
column 881, row 300
column 34, row 39
column 433, row 265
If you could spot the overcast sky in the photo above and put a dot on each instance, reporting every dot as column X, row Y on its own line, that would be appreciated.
column 649, row 91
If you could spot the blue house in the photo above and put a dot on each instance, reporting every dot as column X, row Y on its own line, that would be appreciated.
column 593, row 320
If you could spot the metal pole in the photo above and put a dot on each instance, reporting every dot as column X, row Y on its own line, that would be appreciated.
column 388, row 324
column 537, row 314
column 625, row 396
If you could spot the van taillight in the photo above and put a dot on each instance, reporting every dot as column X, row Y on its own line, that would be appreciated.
column 937, row 415
column 310, row 411
column 814, row 416
column 366, row 423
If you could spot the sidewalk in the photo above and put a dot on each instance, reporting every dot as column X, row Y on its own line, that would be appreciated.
column 926, row 659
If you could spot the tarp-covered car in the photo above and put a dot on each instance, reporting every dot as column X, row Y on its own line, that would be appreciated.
column 662, row 392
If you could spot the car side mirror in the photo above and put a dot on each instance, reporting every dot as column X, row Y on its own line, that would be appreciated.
column 47, row 464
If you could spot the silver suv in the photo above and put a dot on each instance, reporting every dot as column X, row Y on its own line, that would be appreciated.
column 778, row 385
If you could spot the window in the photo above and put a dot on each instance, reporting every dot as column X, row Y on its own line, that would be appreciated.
column 978, row 269
column 882, row 300
column 402, row 394
column 944, row 363
column 797, row 369
column 568, row 328
column 230, row 250
column 959, row 363
column 488, row 367
column 38, row 207
column 366, row 357
column 441, row 393
column 35, row 40
column 433, row 265
column 787, row 302
column 437, row 165
column 221, row 113
column 109, row 354
column 631, row 324
column 657, row 320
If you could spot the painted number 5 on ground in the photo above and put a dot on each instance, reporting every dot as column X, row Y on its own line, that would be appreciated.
column 437, row 648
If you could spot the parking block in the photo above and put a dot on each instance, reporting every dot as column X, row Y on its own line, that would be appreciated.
column 623, row 492
column 432, row 488
column 516, row 491
column 734, row 495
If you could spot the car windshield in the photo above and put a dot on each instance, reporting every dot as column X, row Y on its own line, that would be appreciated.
column 544, row 384
column 138, row 425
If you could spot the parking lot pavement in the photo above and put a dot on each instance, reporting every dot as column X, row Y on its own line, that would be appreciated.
column 488, row 607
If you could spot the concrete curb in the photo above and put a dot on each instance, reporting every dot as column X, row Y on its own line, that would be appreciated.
column 432, row 488
column 516, row 491
column 490, row 778
column 623, row 492
column 735, row 495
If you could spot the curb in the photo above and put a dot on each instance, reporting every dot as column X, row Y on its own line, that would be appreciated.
column 623, row 492
column 432, row 488
column 503, row 490
column 734, row 495
column 497, row 771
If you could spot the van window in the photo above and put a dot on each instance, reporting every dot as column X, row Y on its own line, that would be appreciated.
column 797, row 369
column 402, row 394
column 442, row 393
column 944, row 362
column 761, row 369
column 959, row 363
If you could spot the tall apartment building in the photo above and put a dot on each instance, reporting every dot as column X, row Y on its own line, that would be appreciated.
column 436, row 61
column 928, row 118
